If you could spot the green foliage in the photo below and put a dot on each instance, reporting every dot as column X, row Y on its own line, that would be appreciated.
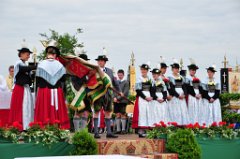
column 132, row 97
column 66, row 42
column 184, row 143
column 228, row 116
column 226, row 97
column 84, row 143
column 231, row 117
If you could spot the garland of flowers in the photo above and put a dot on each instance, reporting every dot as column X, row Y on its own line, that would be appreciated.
column 216, row 130
column 36, row 133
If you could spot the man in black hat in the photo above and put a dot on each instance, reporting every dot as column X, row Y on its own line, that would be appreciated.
column 106, row 101
column 81, row 117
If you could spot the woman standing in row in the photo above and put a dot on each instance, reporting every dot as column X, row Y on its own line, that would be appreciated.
column 159, row 94
column 177, row 106
column 211, row 98
column 142, row 104
column 195, row 91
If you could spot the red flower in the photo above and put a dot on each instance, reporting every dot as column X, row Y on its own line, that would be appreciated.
column 189, row 126
column 174, row 124
column 195, row 80
column 214, row 124
column 32, row 124
column 196, row 125
column 17, row 125
column 166, row 80
column 222, row 123
column 157, row 125
column 56, row 121
column 231, row 126
column 1, row 123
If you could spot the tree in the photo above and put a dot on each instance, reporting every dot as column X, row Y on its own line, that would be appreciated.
column 66, row 42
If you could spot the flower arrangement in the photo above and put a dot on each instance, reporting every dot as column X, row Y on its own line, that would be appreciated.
column 215, row 130
column 159, row 83
column 47, row 135
column 11, row 133
column 166, row 80
column 211, row 83
column 179, row 78
column 146, row 80
column 36, row 133
column 196, row 80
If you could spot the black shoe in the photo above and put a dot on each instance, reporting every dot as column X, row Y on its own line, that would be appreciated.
column 124, row 132
column 111, row 136
column 118, row 132
column 142, row 135
column 97, row 136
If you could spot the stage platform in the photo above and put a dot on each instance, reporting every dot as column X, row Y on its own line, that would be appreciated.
column 132, row 145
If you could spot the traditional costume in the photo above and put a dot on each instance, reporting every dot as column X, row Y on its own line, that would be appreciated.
column 195, row 102
column 21, row 107
column 81, row 116
column 120, row 106
column 141, row 107
column 159, row 110
column 50, row 103
column 106, row 101
column 212, row 112
column 177, row 108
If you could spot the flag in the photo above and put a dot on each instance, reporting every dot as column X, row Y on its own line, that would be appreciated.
column 95, row 87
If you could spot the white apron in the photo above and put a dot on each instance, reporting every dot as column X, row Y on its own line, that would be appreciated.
column 177, row 109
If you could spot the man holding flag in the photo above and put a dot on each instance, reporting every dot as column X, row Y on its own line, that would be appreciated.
column 98, row 87
column 107, row 100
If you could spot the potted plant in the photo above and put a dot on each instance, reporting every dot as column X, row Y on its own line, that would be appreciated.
column 184, row 144
column 84, row 143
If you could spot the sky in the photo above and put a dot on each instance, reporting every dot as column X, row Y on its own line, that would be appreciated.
column 204, row 30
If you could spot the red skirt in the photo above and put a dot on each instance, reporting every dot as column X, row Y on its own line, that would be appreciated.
column 47, row 111
column 136, row 116
column 16, row 106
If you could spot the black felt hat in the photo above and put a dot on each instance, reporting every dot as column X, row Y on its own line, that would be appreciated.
column 212, row 69
column 102, row 57
column 24, row 49
column 145, row 66
column 193, row 67
column 53, row 44
column 163, row 65
column 84, row 57
column 175, row 65
column 57, row 51
column 156, row 71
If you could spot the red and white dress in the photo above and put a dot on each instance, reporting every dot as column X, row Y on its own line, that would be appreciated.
column 50, row 102
column 142, row 107
column 21, row 107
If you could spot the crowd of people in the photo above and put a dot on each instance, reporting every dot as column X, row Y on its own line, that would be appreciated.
column 179, row 99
